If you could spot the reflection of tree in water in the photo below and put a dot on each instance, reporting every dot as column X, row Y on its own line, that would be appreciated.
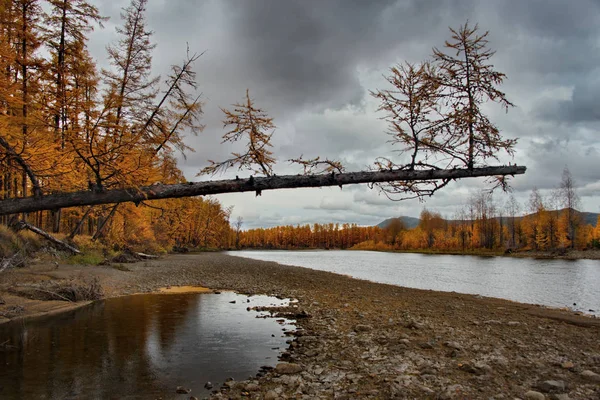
column 135, row 346
column 93, row 351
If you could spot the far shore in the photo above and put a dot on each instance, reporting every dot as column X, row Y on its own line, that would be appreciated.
column 588, row 254
column 366, row 340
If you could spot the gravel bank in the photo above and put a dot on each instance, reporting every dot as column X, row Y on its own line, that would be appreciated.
column 368, row 340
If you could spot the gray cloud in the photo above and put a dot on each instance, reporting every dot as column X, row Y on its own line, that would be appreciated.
column 310, row 65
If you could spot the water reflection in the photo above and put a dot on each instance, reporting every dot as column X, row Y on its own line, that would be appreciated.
column 557, row 283
column 138, row 347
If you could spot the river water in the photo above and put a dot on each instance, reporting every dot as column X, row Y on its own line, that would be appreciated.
column 556, row 283
column 141, row 346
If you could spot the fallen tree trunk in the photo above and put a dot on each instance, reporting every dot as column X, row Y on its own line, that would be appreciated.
column 47, row 236
column 159, row 191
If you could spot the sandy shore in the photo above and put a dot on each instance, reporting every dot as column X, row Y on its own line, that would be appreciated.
column 368, row 340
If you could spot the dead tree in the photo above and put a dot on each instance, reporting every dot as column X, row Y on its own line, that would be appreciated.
column 257, row 185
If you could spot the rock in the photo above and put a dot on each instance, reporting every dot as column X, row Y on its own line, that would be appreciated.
column 533, row 395
column 477, row 369
column 567, row 365
column 513, row 323
column 590, row 376
column 288, row 368
column 453, row 345
column 182, row 390
column 452, row 392
column 232, row 301
column 252, row 387
column 415, row 325
column 208, row 385
column 271, row 395
column 562, row 396
column 492, row 322
column 552, row 386
column 363, row 328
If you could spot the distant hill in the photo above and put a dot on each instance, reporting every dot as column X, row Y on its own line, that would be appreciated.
column 411, row 222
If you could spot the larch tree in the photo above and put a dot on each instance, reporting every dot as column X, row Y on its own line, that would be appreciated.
column 467, row 80
column 569, row 199
column 68, row 23
column 253, row 126
column 435, row 113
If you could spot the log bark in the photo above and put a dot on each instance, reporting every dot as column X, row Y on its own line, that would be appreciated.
column 257, row 185
column 47, row 236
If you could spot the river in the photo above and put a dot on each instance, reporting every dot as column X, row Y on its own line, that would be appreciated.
column 549, row 282
column 141, row 346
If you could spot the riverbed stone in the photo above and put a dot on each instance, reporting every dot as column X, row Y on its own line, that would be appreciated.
column 271, row 395
column 288, row 368
column 552, row 386
column 590, row 376
column 363, row 328
column 533, row 395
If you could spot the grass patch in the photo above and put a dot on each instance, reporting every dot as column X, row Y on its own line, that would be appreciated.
column 91, row 258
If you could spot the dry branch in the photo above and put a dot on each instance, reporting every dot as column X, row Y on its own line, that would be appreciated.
column 47, row 236
column 155, row 192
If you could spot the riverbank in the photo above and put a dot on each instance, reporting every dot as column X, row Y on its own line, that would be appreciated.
column 368, row 340
column 588, row 254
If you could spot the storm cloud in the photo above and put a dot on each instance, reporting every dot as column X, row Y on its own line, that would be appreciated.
column 311, row 64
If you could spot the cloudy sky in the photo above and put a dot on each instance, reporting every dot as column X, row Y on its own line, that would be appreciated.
column 311, row 63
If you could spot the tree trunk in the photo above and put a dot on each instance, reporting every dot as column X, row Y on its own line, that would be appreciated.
column 77, row 229
column 155, row 192
column 102, row 224
column 46, row 235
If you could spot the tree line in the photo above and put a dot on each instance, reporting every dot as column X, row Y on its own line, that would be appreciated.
column 544, row 224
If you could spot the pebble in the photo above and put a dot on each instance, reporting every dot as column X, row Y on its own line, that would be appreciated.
column 182, row 390
column 561, row 396
column 288, row 368
column 533, row 395
column 590, row 376
column 252, row 387
column 567, row 365
column 271, row 395
column 363, row 328
column 452, row 392
column 552, row 386
column 453, row 345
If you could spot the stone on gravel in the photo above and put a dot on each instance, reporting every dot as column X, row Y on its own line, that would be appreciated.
column 182, row 390
column 562, row 396
column 453, row 345
column 590, row 376
column 552, row 386
column 252, row 387
column 288, row 368
column 363, row 328
column 533, row 395
column 271, row 395
column 452, row 392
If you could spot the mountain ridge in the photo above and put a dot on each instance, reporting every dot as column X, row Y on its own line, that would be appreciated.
column 411, row 222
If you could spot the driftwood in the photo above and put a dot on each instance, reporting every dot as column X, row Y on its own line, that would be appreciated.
column 258, row 185
column 47, row 236
column 145, row 256
column 11, row 262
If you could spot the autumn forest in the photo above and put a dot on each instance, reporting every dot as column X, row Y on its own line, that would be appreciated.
column 67, row 125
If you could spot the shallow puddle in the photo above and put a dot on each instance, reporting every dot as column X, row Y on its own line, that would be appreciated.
column 142, row 346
